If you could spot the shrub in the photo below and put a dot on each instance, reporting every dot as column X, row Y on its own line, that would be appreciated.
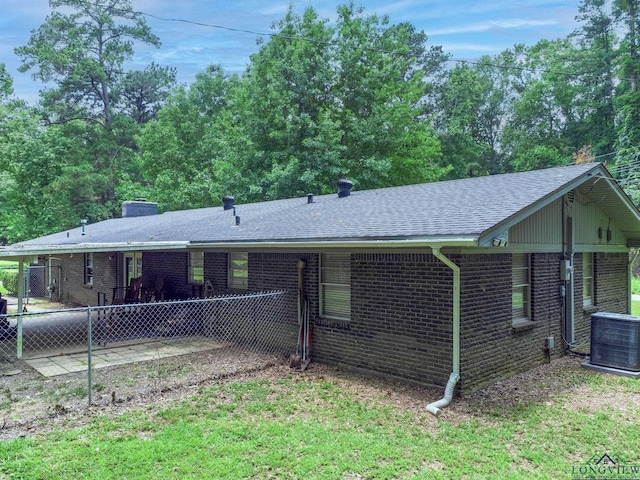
column 9, row 279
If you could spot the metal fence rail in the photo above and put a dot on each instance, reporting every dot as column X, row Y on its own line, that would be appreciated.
column 87, row 340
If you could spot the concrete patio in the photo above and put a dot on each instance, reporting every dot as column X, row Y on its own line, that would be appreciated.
column 50, row 365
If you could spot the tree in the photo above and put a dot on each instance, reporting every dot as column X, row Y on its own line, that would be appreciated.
column 141, row 93
column 344, row 100
column 595, row 59
column 81, row 50
column 82, row 53
column 178, row 149
column 472, row 110
column 543, row 129
column 383, row 76
column 626, row 14
column 6, row 84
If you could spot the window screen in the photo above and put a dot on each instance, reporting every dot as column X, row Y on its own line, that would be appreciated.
column 335, row 285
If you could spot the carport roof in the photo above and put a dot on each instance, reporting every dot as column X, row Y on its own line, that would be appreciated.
column 448, row 213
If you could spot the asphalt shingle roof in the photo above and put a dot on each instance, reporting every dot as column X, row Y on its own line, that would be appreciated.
column 466, row 207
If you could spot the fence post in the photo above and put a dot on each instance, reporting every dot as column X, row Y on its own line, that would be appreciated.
column 89, row 356
column 20, row 306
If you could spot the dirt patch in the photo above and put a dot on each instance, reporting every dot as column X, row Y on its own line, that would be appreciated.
column 32, row 406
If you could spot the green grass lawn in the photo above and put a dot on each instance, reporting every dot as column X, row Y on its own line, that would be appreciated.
column 635, row 307
column 314, row 429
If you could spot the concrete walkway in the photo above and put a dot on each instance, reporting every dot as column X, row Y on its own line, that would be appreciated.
column 119, row 354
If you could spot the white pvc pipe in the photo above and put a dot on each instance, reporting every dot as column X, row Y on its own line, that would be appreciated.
column 630, row 276
column 435, row 407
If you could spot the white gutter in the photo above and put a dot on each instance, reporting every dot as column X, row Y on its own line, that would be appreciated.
column 459, row 241
column 32, row 250
column 435, row 407
column 17, row 251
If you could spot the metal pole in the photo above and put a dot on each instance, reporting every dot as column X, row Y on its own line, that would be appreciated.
column 20, row 306
column 89, row 356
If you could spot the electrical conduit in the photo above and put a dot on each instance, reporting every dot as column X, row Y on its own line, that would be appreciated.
column 630, row 276
column 435, row 407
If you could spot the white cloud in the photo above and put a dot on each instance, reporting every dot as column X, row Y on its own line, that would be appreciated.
column 491, row 25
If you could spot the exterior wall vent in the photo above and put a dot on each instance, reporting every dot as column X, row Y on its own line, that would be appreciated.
column 615, row 341
column 138, row 208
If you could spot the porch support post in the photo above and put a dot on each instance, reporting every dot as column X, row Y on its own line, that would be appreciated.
column 20, row 306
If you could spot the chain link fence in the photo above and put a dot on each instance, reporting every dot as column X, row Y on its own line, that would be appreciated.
column 39, row 281
column 117, row 351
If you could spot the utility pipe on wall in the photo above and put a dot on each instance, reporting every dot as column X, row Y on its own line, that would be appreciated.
column 630, row 276
column 435, row 407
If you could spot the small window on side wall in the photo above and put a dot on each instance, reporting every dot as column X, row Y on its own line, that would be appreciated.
column 521, row 288
column 239, row 270
column 196, row 268
column 587, row 279
column 335, row 286
column 88, row 268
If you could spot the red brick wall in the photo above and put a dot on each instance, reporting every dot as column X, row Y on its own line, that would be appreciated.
column 611, row 287
column 174, row 268
column 491, row 347
column 400, row 319
column 401, row 307
column 73, row 290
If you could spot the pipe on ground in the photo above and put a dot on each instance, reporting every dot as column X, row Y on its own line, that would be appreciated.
column 435, row 407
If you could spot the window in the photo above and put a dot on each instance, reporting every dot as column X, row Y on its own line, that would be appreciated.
column 521, row 288
column 196, row 268
column 587, row 279
column 335, row 286
column 239, row 270
column 88, row 268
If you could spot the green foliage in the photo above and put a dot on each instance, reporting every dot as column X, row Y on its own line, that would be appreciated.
column 180, row 149
column 81, row 48
column 141, row 94
column 359, row 97
column 6, row 83
column 9, row 279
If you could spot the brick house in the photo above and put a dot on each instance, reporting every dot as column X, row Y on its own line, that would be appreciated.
column 482, row 277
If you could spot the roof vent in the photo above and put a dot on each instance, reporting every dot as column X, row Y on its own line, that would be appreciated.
column 227, row 202
column 344, row 187
column 138, row 208
column 309, row 197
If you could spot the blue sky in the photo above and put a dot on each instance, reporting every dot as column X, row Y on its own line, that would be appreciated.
column 465, row 29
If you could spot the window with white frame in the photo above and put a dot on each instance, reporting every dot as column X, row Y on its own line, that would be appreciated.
column 587, row 279
column 88, row 268
column 335, row 286
column 239, row 270
column 196, row 268
column 521, row 288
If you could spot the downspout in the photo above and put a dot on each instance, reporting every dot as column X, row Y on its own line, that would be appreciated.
column 435, row 407
column 630, row 276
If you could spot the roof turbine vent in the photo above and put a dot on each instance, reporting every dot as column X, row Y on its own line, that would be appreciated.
column 344, row 187
column 227, row 202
